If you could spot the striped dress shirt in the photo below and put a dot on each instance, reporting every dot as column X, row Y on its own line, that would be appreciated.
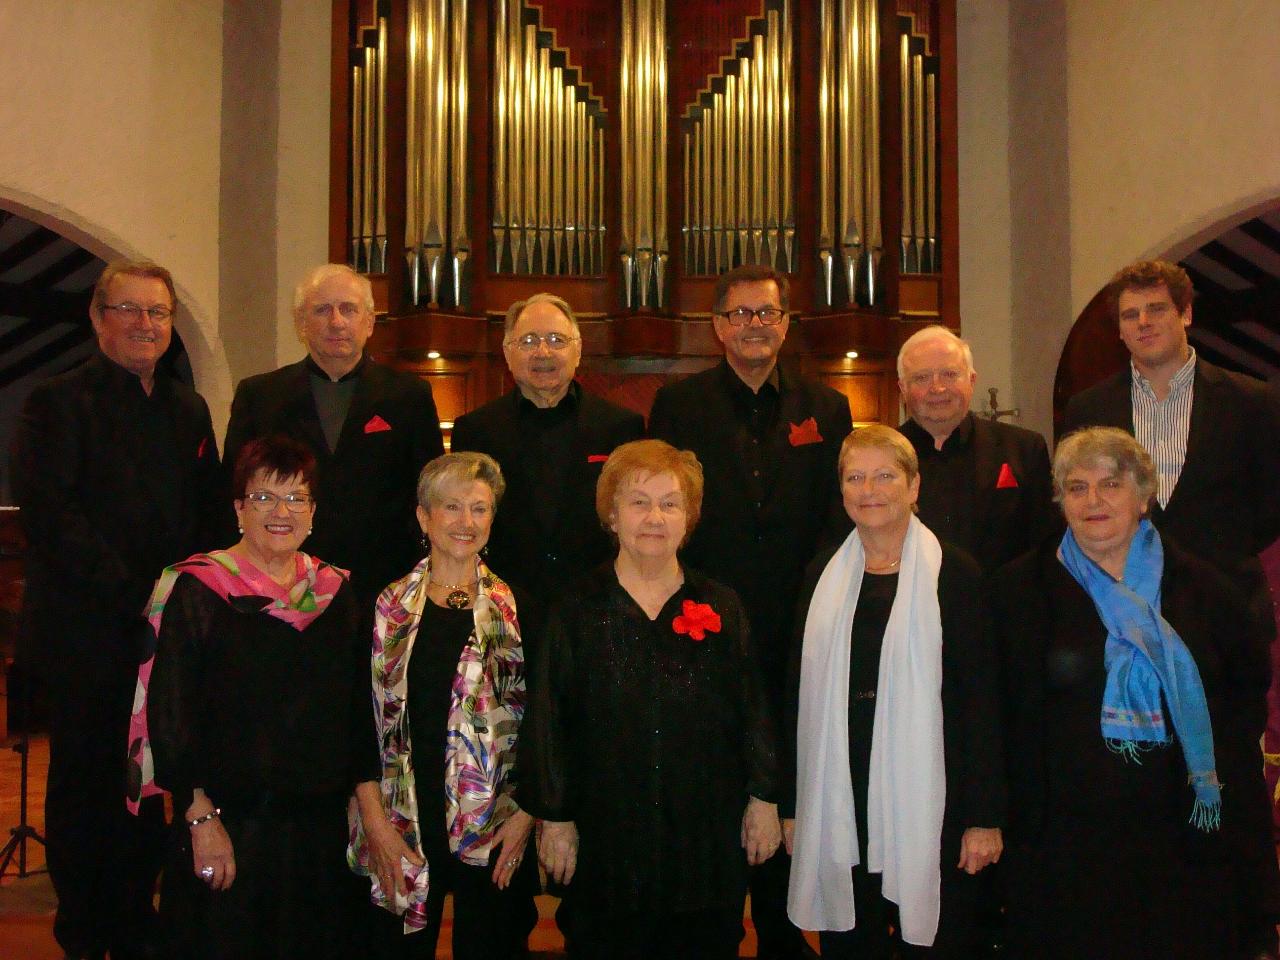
column 1161, row 426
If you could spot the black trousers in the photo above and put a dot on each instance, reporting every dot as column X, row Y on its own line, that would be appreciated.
column 697, row 935
column 777, row 937
column 488, row 923
column 103, row 860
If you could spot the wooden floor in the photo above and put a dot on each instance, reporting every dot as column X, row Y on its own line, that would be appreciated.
column 27, row 905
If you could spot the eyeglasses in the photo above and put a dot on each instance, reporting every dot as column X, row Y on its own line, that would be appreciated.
column 531, row 341
column 132, row 311
column 949, row 378
column 741, row 317
column 265, row 502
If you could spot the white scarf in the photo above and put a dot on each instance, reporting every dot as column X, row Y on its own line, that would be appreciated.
column 908, row 781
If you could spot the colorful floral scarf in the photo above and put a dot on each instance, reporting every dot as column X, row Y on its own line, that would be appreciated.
column 228, row 576
column 1145, row 658
column 486, row 707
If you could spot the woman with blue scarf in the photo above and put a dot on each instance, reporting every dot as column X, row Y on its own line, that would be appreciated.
column 1134, row 698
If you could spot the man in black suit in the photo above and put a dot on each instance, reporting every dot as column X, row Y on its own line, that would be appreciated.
column 115, row 468
column 768, row 442
column 551, row 439
column 1215, row 438
column 985, row 486
column 371, row 428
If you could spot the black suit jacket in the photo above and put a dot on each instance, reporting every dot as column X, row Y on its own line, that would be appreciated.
column 1226, row 506
column 97, row 539
column 366, row 488
column 1006, row 521
column 518, row 551
column 760, row 550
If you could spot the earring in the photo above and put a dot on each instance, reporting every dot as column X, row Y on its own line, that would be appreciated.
column 241, row 529
column 484, row 551
column 426, row 542
column 309, row 529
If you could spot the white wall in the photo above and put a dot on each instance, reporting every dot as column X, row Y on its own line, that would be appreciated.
column 165, row 129
column 1122, row 130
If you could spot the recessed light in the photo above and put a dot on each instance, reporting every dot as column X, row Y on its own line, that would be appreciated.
column 852, row 354
column 433, row 354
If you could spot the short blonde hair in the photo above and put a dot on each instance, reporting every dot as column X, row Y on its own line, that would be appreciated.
column 647, row 458
column 318, row 275
column 1096, row 446
column 879, row 437
column 451, row 468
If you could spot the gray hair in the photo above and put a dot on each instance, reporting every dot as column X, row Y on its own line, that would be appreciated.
column 1104, row 446
column 519, row 307
column 318, row 275
column 451, row 468
column 932, row 332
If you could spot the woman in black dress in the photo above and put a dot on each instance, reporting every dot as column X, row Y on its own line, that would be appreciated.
column 258, row 716
column 898, row 795
column 647, row 751
column 1133, row 683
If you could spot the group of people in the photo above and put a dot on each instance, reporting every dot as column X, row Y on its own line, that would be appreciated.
column 848, row 671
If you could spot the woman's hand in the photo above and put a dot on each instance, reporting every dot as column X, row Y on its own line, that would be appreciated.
column 789, row 835
column 761, row 832
column 508, row 847
column 211, row 847
column 558, row 849
column 386, row 845
column 979, row 848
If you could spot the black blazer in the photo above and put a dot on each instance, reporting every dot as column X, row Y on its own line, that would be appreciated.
column 1007, row 521
column 366, row 488
column 97, row 539
column 1226, row 506
column 518, row 551
column 760, row 550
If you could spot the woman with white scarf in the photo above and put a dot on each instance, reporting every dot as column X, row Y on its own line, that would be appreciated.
column 899, row 793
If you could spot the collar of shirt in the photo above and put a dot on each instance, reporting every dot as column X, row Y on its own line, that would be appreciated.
column 958, row 440
column 743, row 395
column 121, row 378
column 567, row 406
column 1179, row 382
column 314, row 369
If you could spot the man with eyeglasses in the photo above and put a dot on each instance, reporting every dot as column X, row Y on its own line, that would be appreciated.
column 115, row 468
column 551, row 438
column 985, row 486
column 371, row 428
column 768, row 442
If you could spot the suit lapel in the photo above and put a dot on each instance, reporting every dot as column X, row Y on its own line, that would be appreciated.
column 1200, row 434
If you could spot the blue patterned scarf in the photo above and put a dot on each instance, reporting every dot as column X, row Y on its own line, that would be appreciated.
column 1145, row 658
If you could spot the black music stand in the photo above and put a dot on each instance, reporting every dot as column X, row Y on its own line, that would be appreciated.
column 19, row 835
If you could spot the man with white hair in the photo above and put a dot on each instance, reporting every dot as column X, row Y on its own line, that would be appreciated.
column 985, row 486
column 371, row 428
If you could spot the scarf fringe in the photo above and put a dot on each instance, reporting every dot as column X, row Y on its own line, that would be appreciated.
column 1206, row 815
column 1131, row 750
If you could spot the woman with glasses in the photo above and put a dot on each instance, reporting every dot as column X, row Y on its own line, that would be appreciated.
column 448, row 697
column 648, row 752
column 254, row 713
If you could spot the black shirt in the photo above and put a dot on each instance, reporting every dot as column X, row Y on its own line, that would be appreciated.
column 947, row 482
column 547, row 436
column 875, row 602
column 333, row 398
column 757, row 417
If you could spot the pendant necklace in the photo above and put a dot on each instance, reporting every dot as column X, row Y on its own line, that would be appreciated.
column 458, row 596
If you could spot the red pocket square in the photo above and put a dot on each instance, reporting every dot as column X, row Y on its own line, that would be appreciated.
column 803, row 433
column 204, row 445
column 597, row 457
column 376, row 425
column 1006, row 478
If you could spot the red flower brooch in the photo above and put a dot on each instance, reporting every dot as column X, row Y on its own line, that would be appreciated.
column 696, row 620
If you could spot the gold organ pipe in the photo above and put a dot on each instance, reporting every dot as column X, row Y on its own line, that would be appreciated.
column 908, row 206
column 931, row 171
column 659, row 152
column 644, row 144
column 684, row 229
column 732, row 171
column 704, row 138
column 786, row 140
column 515, row 134
column 715, row 129
column 531, row 158
column 917, row 156
column 461, row 234
column 357, row 156
column 626, row 145
column 696, row 231
column 380, row 178
column 500, row 108
column 553, row 128
column 826, row 147
column 850, row 134
column 579, row 218
column 369, row 138
column 544, row 118
column 872, row 233
column 757, row 140
column 743, row 180
column 413, row 160
column 439, row 145
column 592, row 187
column 772, row 139
column 600, row 225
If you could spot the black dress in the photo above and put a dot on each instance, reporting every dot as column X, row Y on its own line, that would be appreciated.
column 651, row 742
column 1100, row 858
column 276, row 726
column 975, row 794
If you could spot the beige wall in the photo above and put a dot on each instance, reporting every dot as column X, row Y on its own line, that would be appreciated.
column 167, row 130
column 1122, row 130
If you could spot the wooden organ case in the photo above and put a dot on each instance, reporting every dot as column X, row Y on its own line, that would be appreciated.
column 621, row 154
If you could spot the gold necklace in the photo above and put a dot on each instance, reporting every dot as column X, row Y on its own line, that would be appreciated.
column 885, row 566
column 459, row 594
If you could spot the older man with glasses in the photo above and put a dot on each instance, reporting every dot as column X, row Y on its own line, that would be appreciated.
column 768, row 442
column 551, row 438
column 115, row 468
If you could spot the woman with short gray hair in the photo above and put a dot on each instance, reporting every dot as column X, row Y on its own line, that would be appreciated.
column 1134, row 689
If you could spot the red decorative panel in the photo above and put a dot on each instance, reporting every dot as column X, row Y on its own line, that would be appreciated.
column 589, row 31
column 699, row 35
column 925, row 14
